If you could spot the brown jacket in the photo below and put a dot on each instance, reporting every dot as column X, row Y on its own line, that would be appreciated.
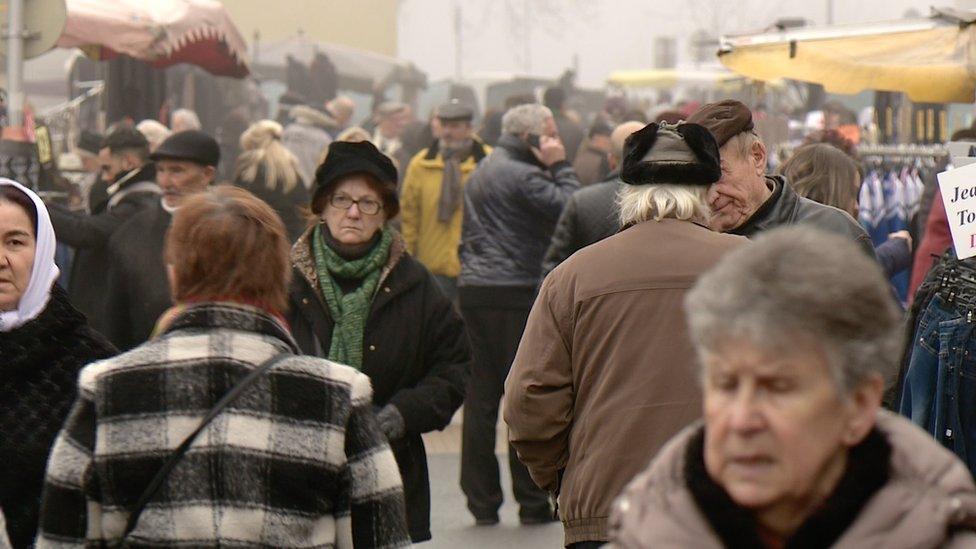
column 928, row 501
column 605, row 373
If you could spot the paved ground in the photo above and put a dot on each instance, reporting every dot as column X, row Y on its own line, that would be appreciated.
column 451, row 524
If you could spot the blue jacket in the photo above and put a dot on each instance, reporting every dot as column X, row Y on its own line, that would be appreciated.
column 511, row 205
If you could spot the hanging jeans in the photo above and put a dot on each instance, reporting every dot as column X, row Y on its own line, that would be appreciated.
column 939, row 391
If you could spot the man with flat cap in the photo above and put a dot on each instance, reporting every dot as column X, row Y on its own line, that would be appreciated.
column 186, row 164
column 746, row 201
column 605, row 373
column 433, row 189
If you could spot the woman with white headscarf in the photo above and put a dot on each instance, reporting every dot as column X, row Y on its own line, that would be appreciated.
column 44, row 343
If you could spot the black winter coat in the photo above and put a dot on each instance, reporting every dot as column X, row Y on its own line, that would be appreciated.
column 138, row 290
column 39, row 365
column 89, row 236
column 590, row 216
column 288, row 204
column 416, row 353
column 511, row 205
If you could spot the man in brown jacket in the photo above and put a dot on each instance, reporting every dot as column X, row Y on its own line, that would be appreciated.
column 605, row 372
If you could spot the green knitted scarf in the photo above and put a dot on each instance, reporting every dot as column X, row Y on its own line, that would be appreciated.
column 350, row 310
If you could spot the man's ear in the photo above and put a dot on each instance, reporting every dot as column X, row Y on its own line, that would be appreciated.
column 758, row 156
column 211, row 173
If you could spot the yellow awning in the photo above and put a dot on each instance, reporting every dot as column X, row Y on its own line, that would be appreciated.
column 669, row 78
column 929, row 59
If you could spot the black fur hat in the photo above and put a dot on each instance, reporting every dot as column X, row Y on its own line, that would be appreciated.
column 683, row 154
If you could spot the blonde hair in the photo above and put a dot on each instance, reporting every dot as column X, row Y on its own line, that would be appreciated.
column 645, row 202
column 263, row 149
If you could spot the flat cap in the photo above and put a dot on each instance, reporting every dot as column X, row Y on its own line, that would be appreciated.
column 665, row 154
column 725, row 119
column 191, row 145
column 455, row 110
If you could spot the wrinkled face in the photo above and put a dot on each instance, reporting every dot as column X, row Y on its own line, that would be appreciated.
column 455, row 131
column 777, row 428
column 741, row 190
column 179, row 179
column 16, row 254
column 351, row 226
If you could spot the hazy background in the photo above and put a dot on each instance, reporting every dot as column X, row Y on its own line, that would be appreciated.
column 606, row 35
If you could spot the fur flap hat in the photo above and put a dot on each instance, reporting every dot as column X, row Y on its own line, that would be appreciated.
column 664, row 154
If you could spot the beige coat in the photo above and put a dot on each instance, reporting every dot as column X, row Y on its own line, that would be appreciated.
column 929, row 500
column 605, row 373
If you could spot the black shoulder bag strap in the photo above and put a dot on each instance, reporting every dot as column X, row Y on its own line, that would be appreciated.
column 180, row 451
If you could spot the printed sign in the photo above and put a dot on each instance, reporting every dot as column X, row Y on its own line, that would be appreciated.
column 958, row 188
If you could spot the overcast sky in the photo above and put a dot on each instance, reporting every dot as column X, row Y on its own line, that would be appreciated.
column 606, row 35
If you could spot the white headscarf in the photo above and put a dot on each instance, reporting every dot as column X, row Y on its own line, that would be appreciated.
column 44, row 272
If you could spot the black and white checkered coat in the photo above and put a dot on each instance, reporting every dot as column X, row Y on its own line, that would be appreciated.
column 297, row 460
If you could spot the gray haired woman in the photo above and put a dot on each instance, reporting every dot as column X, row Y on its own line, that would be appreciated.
column 795, row 335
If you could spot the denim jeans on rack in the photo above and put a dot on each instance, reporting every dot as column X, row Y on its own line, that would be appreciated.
column 939, row 391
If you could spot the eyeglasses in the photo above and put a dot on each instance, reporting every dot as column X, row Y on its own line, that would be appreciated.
column 366, row 206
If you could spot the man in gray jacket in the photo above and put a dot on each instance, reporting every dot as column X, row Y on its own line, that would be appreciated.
column 511, row 204
column 746, row 201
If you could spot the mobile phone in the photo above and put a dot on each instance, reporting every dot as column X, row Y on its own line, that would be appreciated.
column 533, row 140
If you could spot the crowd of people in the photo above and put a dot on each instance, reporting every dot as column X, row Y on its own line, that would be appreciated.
column 687, row 349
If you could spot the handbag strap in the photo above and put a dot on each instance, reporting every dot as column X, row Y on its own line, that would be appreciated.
column 181, row 450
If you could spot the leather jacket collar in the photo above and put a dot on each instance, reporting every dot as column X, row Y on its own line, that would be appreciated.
column 779, row 208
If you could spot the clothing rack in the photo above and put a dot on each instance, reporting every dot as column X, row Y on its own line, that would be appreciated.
column 886, row 151
column 903, row 151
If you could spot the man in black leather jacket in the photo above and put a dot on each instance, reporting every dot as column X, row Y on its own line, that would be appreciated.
column 591, row 213
column 746, row 201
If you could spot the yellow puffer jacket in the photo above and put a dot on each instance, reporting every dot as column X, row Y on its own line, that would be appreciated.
column 433, row 243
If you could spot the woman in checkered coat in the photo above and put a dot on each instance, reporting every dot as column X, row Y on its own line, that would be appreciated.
column 298, row 459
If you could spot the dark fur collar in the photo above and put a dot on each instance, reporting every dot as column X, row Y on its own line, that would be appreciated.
column 736, row 527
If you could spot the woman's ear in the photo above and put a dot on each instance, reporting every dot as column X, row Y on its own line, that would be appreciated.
column 864, row 404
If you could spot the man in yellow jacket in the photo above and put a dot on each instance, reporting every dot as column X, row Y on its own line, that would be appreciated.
column 431, row 201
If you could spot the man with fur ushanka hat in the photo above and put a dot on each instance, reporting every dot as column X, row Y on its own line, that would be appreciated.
column 587, row 414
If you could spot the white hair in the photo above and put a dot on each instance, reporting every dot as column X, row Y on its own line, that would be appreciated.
column 154, row 131
column 639, row 203
column 185, row 119
column 530, row 118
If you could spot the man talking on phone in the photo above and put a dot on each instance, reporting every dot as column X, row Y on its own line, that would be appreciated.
column 511, row 204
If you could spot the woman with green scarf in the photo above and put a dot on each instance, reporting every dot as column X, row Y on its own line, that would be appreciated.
column 359, row 299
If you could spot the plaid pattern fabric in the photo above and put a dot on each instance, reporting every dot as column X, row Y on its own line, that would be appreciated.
column 297, row 460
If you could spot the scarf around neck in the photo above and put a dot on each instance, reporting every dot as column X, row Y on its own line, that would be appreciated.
column 450, row 199
column 43, row 273
column 349, row 311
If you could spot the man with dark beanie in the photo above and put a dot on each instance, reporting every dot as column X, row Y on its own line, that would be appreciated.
column 128, row 187
column 746, row 201
column 138, row 291
column 606, row 373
